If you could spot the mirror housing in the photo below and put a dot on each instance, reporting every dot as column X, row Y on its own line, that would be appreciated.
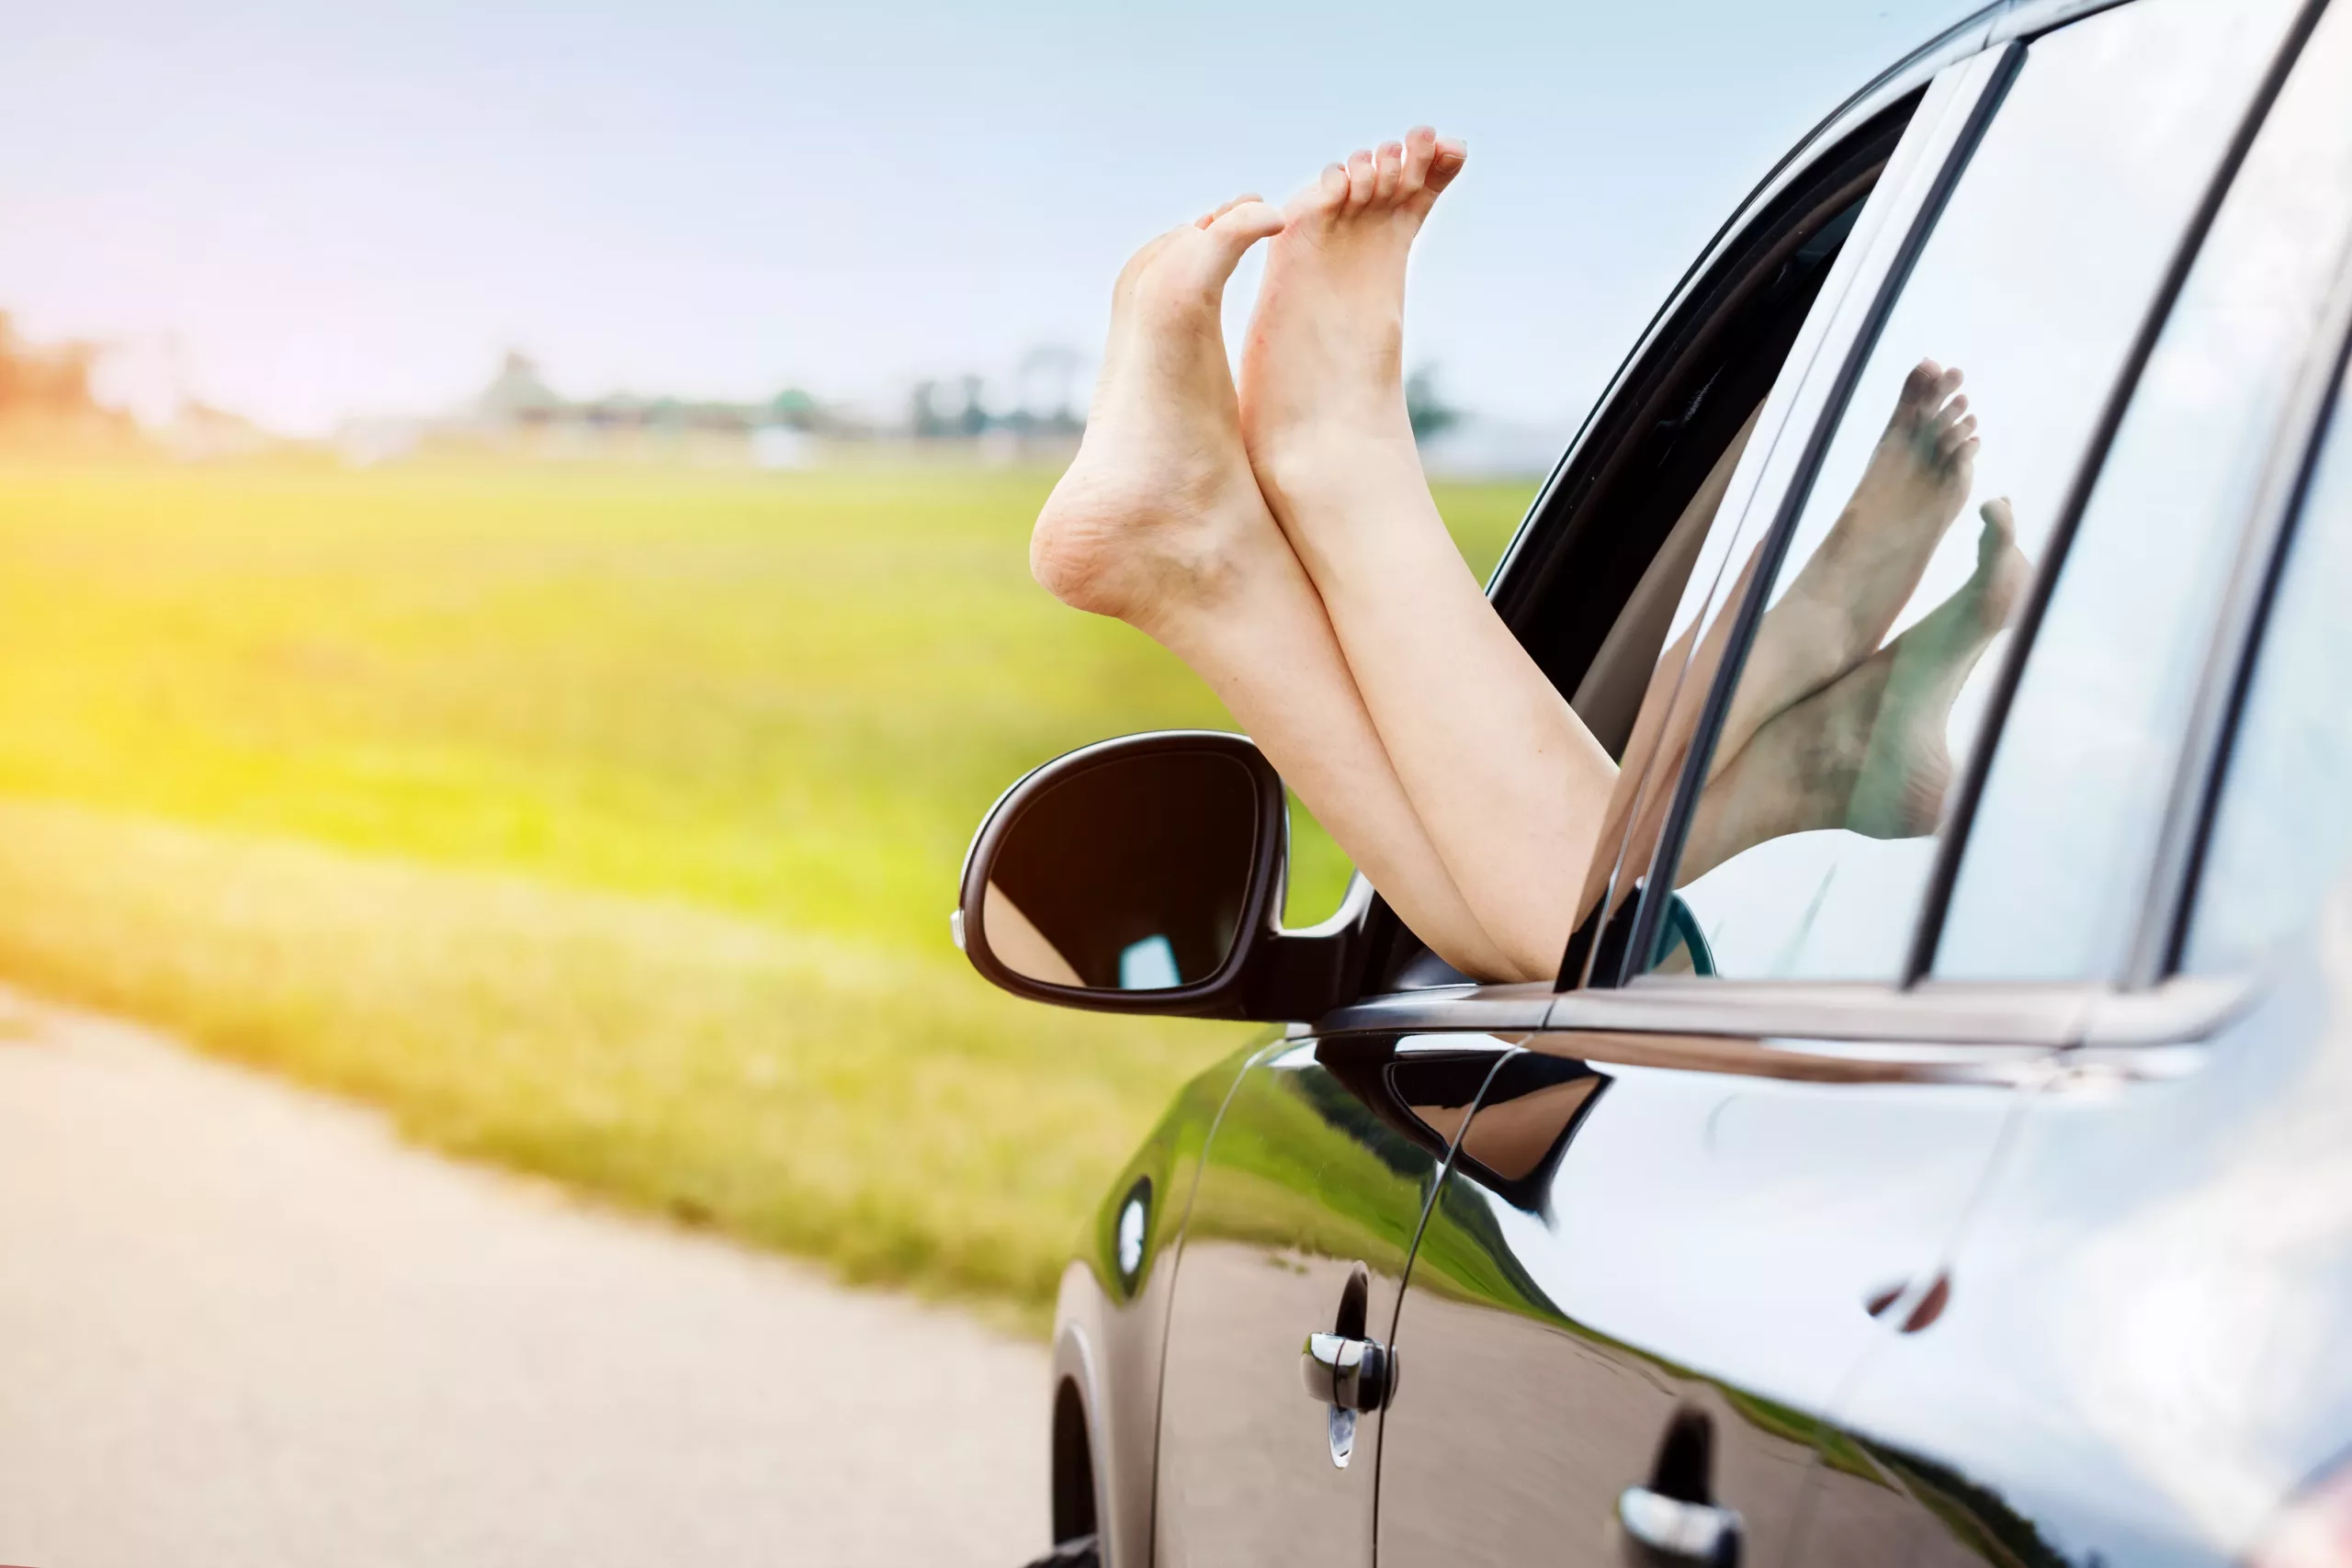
column 1181, row 836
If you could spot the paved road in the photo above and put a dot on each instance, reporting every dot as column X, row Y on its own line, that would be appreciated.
column 242, row 1328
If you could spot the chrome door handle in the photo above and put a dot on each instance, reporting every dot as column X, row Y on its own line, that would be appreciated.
column 1348, row 1374
column 1696, row 1532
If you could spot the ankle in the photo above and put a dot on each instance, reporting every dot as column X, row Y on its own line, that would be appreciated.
column 1337, row 463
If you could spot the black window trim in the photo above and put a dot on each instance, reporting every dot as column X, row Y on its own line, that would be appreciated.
column 2264, row 547
column 1992, row 25
column 1824, row 142
column 1650, row 909
column 1951, row 847
column 1952, row 843
column 1816, row 157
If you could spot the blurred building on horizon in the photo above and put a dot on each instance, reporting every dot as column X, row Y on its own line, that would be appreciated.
column 519, row 414
column 83, row 398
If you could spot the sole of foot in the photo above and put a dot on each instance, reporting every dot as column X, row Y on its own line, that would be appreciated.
column 1908, row 771
column 1159, row 505
column 1871, row 752
column 1847, row 594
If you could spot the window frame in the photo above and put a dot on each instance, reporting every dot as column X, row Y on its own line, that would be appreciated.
column 2266, row 548
column 1768, row 495
column 1920, row 1029
column 1715, row 282
column 2163, row 915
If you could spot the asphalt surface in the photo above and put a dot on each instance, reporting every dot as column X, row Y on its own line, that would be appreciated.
column 240, row 1326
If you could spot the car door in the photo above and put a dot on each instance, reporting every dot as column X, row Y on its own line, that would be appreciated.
column 2142, row 1358
column 1320, row 1170
column 1305, row 1211
column 1731, row 1164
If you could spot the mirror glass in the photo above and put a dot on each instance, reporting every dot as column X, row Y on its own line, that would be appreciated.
column 1128, row 876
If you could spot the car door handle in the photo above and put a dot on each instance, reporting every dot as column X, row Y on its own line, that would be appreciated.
column 1348, row 1374
column 1695, row 1532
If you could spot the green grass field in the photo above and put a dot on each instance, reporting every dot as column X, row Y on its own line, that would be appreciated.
column 600, row 823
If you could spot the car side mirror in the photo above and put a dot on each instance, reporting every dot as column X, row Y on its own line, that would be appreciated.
column 1145, row 875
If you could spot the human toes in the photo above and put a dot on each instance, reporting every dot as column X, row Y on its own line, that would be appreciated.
column 1322, row 199
column 1205, row 218
column 1952, row 436
column 2000, row 525
column 1362, row 179
column 1202, row 257
column 1387, row 173
column 1421, row 150
column 2002, row 568
column 1924, row 392
column 1238, row 226
column 1445, row 163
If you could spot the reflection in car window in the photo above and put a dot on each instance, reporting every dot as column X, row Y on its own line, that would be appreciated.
column 2282, row 833
column 1812, row 837
column 2056, row 867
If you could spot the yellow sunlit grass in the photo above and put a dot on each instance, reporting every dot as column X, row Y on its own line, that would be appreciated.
column 601, row 823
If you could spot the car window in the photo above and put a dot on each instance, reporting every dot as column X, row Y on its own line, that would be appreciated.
column 2281, row 833
column 2057, row 864
column 1811, row 839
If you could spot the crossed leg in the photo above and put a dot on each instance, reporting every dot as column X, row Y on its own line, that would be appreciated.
column 1281, row 541
column 1507, row 783
column 1160, row 522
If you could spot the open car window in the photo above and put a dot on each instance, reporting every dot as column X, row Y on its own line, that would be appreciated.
column 1615, row 547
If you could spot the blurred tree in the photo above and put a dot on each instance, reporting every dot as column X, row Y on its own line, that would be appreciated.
column 52, row 381
column 924, row 419
column 797, row 410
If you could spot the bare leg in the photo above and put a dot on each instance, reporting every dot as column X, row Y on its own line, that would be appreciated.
column 1868, row 752
column 1506, row 781
column 1159, row 521
column 1664, row 723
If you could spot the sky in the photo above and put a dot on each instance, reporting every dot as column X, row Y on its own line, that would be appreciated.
column 304, row 213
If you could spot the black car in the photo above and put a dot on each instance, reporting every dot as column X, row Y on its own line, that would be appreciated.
column 1974, row 1190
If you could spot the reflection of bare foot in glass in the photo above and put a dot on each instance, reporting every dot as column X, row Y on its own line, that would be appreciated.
column 1850, row 591
column 1160, row 508
column 1869, row 751
column 1899, row 792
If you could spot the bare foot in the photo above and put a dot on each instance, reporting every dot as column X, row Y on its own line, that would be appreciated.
column 1869, row 751
column 1900, row 791
column 1848, row 592
column 1160, row 509
column 1322, row 375
column 1914, row 486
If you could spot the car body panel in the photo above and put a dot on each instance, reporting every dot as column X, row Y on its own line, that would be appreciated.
column 1111, row 1318
column 1655, row 1244
column 1322, row 1167
column 2144, row 1349
column 2144, row 1355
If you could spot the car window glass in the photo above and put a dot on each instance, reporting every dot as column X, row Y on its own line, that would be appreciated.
column 2282, row 834
column 1868, row 190
column 1811, row 839
column 2058, row 857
